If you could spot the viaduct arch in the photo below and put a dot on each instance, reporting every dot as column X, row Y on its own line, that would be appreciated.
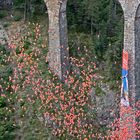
column 58, row 42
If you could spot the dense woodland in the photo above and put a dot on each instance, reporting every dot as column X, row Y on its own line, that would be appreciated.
column 101, row 23
column 95, row 31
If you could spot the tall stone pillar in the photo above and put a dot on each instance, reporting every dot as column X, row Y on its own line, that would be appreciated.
column 128, row 115
column 129, row 44
column 129, row 118
column 58, row 56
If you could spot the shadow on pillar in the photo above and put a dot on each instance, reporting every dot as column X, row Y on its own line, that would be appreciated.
column 137, row 53
column 64, row 40
column 137, row 61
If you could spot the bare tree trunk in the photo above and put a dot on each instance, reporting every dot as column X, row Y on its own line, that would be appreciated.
column 27, row 10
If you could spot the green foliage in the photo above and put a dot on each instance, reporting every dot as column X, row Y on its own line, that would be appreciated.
column 101, row 22
column 78, row 42
column 3, row 14
column 5, row 69
column 99, row 91
column 28, row 113
column 7, row 126
column 17, row 18
column 30, row 8
column 6, row 24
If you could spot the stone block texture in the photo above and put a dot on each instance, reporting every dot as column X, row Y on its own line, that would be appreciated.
column 58, row 56
column 131, row 10
column 131, row 44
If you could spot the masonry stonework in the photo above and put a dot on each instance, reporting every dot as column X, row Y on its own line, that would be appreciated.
column 131, row 26
column 58, row 56
column 132, row 46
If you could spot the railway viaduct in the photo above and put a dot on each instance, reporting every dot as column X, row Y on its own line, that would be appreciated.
column 58, row 55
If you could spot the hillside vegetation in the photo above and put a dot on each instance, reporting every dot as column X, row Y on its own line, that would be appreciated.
column 34, row 103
